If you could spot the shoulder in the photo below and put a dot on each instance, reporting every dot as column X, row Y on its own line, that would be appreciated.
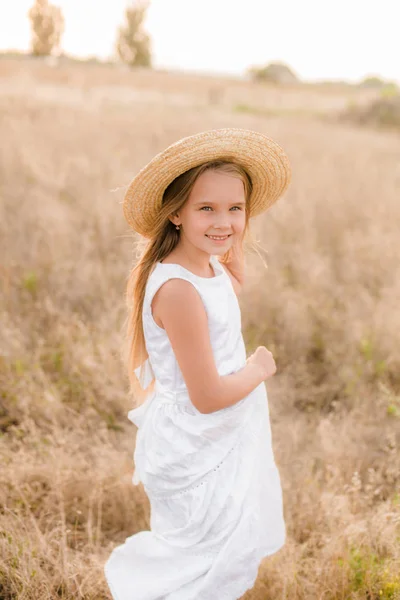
column 178, row 305
column 178, row 299
column 177, row 289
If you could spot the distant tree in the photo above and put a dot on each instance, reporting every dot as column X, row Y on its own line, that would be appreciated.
column 47, row 23
column 133, row 42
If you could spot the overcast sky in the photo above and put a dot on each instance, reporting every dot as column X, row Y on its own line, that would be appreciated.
column 331, row 39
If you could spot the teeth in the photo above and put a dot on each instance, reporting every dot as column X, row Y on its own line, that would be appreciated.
column 214, row 237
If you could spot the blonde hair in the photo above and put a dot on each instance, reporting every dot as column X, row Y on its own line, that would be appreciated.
column 163, row 240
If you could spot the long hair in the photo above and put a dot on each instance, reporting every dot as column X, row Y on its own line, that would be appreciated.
column 163, row 240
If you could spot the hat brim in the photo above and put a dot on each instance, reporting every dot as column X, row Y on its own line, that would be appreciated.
column 265, row 161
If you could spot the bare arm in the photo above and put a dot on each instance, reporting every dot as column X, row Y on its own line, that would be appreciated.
column 185, row 321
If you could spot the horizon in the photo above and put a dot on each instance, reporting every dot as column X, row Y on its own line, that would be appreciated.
column 366, row 37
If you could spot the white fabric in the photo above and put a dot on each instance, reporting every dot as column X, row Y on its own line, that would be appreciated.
column 211, row 479
column 146, row 376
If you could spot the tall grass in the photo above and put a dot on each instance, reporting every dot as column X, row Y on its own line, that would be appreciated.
column 327, row 306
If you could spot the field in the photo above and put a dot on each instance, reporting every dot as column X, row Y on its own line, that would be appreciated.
column 323, row 296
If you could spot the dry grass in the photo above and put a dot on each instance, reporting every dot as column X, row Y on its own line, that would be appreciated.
column 327, row 307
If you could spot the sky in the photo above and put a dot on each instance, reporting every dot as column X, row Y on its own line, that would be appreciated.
column 331, row 39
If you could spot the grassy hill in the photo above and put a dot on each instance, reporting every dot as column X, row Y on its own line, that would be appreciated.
column 326, row 306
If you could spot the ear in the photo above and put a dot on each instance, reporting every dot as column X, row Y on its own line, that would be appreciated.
column 174, row 219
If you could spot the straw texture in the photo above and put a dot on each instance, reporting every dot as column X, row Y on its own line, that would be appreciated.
column 265, row 161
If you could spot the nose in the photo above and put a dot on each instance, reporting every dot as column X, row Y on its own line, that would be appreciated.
column 222, row 223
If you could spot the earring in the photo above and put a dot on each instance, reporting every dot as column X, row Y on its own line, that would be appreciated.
column 177, row 227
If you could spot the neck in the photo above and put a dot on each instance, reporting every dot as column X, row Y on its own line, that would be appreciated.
column 192, row 258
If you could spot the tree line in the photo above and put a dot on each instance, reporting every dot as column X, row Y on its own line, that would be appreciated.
column 133, row 44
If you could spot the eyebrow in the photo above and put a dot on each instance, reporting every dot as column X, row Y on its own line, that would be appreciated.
column 213, row 204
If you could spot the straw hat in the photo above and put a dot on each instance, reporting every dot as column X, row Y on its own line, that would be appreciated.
column 264, row 160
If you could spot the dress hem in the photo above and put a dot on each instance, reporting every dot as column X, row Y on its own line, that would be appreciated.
column 242, row 589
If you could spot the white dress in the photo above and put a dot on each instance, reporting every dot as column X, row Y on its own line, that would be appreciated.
column 211, row 479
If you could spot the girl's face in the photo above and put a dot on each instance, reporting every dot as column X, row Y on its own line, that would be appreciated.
column 215, row 207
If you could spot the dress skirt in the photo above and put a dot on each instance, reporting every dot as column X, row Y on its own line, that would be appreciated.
column 215, row 498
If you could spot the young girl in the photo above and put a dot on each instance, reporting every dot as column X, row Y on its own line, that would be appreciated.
column 203, row 448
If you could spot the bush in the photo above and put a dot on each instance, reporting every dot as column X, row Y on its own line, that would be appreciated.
column 372, row 82
column 274, row 73
column 384, row 112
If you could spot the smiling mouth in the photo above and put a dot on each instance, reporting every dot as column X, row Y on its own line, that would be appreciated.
column 218, row 237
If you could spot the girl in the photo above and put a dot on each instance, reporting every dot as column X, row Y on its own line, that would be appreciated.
column 203, row 447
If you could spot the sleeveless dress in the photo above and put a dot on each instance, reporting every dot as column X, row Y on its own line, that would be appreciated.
column 213, row 486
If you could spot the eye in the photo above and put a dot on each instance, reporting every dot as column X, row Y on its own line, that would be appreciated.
column 203, row 207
